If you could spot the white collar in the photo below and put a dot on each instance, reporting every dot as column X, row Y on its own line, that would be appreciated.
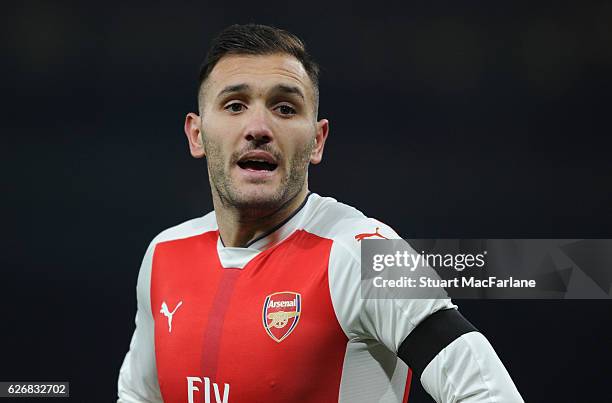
column 238, row 257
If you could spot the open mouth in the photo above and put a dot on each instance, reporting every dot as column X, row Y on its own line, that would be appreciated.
column 258, row 161
column 257, row 165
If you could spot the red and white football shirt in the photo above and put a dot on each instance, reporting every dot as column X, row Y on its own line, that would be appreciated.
column 281, row 320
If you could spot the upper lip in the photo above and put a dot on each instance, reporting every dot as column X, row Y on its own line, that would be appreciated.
column 258, row 155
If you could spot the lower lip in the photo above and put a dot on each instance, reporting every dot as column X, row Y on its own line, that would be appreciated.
column 256, row 174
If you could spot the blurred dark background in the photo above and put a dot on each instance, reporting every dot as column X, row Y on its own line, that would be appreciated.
column 473, row 120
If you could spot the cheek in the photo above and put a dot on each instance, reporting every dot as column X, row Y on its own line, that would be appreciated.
column 216, row 138
column 217, row 125
column 214, row 149
column 301, row 139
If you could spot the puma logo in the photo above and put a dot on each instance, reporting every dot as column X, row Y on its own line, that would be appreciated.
column 359, row 237
column 164, row 310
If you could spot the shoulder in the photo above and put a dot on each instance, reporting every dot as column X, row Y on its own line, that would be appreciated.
column 187, row 229
column 345, row 225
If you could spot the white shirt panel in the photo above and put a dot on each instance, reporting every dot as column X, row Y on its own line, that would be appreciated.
column 371, row 373
column 375, row 327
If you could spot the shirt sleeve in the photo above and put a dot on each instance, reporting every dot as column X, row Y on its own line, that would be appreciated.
column 138, row 374
column 386, row 320
column 469, row 370
column 462, row 368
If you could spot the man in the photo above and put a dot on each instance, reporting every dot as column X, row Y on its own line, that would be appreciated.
column 263, row 292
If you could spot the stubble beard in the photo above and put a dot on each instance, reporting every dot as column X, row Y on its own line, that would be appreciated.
column 254, row 205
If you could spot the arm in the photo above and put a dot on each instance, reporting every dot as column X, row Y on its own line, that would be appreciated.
column 138, row 375
column 455, row 362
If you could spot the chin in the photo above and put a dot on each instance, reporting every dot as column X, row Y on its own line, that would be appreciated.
column 258, row 198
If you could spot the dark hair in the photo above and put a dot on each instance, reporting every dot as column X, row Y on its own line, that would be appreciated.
column 255, row 39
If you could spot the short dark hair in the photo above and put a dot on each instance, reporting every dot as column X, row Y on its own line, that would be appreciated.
column 255, row 39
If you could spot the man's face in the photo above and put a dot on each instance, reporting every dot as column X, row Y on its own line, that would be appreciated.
column 258, row 130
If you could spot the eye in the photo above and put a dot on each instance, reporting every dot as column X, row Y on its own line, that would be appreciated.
column 235, row 107
column 285, row 110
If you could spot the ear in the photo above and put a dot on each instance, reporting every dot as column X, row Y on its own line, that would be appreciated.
column 320, row 137
column 194, row 135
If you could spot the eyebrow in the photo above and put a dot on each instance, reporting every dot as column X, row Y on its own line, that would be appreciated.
column 282, row 88
column 288, row 89
column 230, row 89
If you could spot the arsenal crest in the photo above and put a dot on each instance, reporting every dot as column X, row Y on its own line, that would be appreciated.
column 281, row 314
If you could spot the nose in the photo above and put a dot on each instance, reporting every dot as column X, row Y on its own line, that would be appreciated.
column 257, row 127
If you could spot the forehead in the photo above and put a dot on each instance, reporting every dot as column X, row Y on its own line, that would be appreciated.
column 259, row 72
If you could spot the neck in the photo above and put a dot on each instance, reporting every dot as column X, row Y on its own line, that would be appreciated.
column 237, row 227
